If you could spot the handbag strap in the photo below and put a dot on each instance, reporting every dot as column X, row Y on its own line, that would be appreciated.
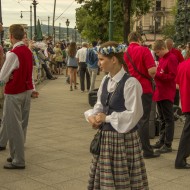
column 135, row 67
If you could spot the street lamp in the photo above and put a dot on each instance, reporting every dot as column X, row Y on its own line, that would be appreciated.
column 111, row 21
column 67, row 24
column 35, row 30
column 48, row 24
column 21, row 16
column 75, row 33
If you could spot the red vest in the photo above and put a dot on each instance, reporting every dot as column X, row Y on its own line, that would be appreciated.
column 22, row 77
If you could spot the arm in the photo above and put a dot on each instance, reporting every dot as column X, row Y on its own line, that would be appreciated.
column 152, row 72
column 11, row 63
column 169, row 71
column 125, row 121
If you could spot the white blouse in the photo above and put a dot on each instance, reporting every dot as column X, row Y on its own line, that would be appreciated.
column 124, row 121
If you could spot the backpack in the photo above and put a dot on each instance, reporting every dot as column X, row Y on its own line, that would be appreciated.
column 91, row 57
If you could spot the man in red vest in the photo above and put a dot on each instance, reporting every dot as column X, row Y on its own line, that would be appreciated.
column 16, row 74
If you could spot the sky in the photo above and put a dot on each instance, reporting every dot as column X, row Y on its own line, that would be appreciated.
column 11, row 11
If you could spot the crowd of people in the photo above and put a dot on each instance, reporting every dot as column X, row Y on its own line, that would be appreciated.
column 135, row 76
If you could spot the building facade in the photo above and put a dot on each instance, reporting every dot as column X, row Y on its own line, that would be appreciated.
column 151, row 24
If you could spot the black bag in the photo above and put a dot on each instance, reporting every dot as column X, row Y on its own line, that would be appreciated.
column 95, row 144
column 92, row 97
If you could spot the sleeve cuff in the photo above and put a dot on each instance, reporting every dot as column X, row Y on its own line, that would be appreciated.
column 108, row 119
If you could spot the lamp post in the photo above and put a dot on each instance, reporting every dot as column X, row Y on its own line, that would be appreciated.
column 67, row 24
column 75, row 33
column 59, row 31
column 48, row 24
column 111, row 21
column 21, row 16
column 34, row 5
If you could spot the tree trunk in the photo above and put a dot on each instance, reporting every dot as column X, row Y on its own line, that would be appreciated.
column 127, row 13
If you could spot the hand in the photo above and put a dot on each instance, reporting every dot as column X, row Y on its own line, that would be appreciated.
column 93, row 122
column 34, row 94
column 100, row 117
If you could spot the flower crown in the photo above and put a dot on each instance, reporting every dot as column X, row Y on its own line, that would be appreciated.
column 111, row 49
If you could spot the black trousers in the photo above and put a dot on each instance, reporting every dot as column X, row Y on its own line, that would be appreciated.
column 184, row 144
column 48, row 73
column 144, row 124
column 166, row 115
column 176, row 99
column 84, row 71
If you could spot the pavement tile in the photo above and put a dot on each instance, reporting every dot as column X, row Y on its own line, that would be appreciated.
column 57, row 146
column 24, row 184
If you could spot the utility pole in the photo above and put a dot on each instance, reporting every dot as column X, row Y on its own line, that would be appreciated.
column 54, row 22
column 31, row 22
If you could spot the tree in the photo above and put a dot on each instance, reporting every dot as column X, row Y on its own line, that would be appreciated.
column 93, row 16
column 168, row 30
column 182, row 22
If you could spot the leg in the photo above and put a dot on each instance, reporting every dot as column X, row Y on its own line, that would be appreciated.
column 82, row 75
column 93, row 78
column 169, row 121
column 25, row 113
column 13, row 123
column 162, row 123
column 184, row 149
column 144, row 124
column 176, row 99
column 87, row 79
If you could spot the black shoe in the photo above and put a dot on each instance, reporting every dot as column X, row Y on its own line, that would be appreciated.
column 11, row 166
column 9, row 159
column 2, row 148
column 153, row 155
column 71, row 88
column 186, row 166
column 165, row 149
column 157, row 145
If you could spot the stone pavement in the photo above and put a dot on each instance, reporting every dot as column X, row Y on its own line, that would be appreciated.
column 57, row 147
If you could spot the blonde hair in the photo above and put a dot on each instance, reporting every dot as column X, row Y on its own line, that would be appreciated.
column 159, row 44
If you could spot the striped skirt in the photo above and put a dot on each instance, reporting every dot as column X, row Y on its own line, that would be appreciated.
column 120, row 165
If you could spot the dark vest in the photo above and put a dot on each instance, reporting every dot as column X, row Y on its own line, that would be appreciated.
column 115, row 99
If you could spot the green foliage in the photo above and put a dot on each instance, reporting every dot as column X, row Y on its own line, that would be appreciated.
column 92, row 18
column 168, row 31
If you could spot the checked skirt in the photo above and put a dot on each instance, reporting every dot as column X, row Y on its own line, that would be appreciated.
column 120, row 165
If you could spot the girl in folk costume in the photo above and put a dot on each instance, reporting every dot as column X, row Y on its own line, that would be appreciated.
column 119, row 164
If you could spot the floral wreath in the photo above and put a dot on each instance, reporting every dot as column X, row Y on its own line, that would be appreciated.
column 111, row 49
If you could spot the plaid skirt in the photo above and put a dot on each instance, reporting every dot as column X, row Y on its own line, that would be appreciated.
column 120, row 165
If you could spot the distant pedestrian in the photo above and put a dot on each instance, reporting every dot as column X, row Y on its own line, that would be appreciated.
column 72, row 65
column 118, row 109
column 92, row 64
column 18, row 90
column 164, row 95
column 182, row 80
column 83, row 71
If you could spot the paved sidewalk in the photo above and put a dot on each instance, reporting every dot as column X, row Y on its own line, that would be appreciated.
column 57, row 147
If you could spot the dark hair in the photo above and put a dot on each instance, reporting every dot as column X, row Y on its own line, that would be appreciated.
column 17, row 31
column 134, row 37
column 72, row 49
column 119, row 56
column 94, row 43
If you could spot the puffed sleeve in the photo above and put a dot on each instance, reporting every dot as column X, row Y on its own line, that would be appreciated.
column 125, row 121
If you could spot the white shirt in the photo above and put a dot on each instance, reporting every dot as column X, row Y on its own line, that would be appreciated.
column 81, row 54
column 124, row 121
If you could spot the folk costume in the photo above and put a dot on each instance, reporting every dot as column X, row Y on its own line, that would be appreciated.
column 120, row 164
